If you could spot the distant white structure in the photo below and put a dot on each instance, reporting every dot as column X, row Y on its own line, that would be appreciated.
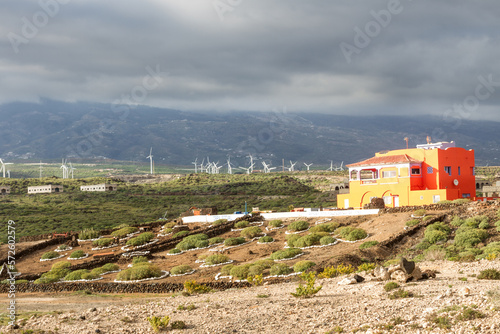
column 150, row 157
column 100, row 187
column 46, row 189
column 3, row 169
column 4, row 190
column 308, row 165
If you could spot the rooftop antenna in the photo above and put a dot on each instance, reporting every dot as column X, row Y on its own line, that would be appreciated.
column 406, row 140
column 428, row 139
column 2, row 167
column 150, row 157
column 308, row 165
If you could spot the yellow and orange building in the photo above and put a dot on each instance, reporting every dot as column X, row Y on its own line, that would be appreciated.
column 426, row 174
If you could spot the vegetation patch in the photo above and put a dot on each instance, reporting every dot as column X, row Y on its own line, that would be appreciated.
column 328, row 227
column 141, row 239
column 400, row 293
column 192, row 287
column 216, row 259
column 107, row 268
column 389, row 286
column 88, row 234
column 241, row 224
column 79, row 275
column 308, row 290
column 199, row 240
column 180, row 234
column 103, row 242
column 412, row 222
column 234, row 241
column 58, row 271
column 125, row 231
column 183, row 269
column 339, row 270
column 298, row 226
column 491, row 274
column 215, row 241
column 303, row 266
column 280, row 269
column 140, row 271
column 351, row 233
column 368, row 244
column 266, row 239
column 286, row 254
column 277, row 223
column 79, row 254
column 51, row 255
column 251, row 232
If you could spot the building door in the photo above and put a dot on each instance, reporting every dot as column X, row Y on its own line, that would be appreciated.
column 436, row 198
column 346, row 203
column 396, row 201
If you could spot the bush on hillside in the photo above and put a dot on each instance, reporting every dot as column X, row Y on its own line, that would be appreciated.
column 280, row 269
column 82, row 274
column 234, row 241
column 266, row 239
column 276, row 223
column 216, row 259
column 303, row 266
column 215, row 240
column 50, row 255
column 181, row 270
column 77, row 254
column 104, row 242
column 88, row 234
column 141, row 239
column 251, row 232
column 241, row 224
column 285, row 253
column 299, row 225
column 123, row 232
column 199, row 240
column 139, row 272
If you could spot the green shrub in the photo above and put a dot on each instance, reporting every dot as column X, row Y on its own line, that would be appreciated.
column 77, row 254
column 226, row 270
column 79, row 275
column 423, row 245
column 446, row 201
column 88, row 234
column 178, row 324
column 58, row 271
column 434, row 236
column 400, row 294
column 299, row 225
column 240, row 272
column 242, row 224
column 291, row 239
column 276, row 223
column 215, row 240
column 219, row 222
column 104, row 269
column 389, row 286
column 251, row 232
column 266, row 239
column 419, row 212
column 167, row 230
column 484, row 225
column 368, row 244
column 202, row 244
column 327, row 240
column 141, row 239
column 180, row 234
column 468, row 237
column 309, row 289
column 158, row 323
column 439, row 226
column 266, row 263
column 280, row 269
column 193, row 287
column 285, row 253
column 123, row 232
column 63, row 247
column 256, row 269
column 138, row 272
column 216, row 259
column 234, row 241
column 303, row 266
column 50, row 255
column 139, row 259
column 493, row 248
column 366, row 266
column 461, row 201
column 104, row 242
column 181, row 270
column 412, row 222
column 351, row 233
column 492, row 274
column 308, row 240
column 192, row 241
column 174, row 251
column 457, row 221
column 328, row 227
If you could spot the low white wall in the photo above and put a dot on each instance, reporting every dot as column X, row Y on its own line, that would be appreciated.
column 280, row 215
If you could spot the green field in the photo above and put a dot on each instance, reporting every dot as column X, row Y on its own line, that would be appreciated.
column 74, row 210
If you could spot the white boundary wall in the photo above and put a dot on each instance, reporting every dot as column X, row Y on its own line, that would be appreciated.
column 281, row 215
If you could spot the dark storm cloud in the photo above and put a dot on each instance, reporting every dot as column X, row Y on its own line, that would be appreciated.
column 392, row 57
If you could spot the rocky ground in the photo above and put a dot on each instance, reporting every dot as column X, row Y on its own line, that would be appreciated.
column 453, row 302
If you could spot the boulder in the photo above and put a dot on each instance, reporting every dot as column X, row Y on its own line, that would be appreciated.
column 381, row 273
column 406, row 266
column 399, row 276
column 347, row 281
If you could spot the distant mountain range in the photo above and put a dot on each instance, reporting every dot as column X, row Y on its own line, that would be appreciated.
column 53, row 130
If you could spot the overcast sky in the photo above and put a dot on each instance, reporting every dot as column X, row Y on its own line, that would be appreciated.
column 340, row 57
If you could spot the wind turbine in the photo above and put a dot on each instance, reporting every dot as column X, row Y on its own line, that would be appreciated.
column 266, row 167
column 229, row 168
column 8, row 174
column 41, row 168
column 292, row 166
column 2, row 168
column 71, row 169
column 308, row 165
column 331, row 166
column 150, row 157
column 341, row 168
column 65, row 169
column 251, row 163
column 247, row 169
column 195, row 165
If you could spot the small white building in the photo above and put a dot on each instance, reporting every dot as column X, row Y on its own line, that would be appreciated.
column 4, row 190
column 46, row 189
column 100, row 187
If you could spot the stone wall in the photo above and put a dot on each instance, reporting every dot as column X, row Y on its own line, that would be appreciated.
column 444, row 206
column 96, row 287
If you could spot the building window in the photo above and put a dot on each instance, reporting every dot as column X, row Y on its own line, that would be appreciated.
column 430, row 170
column 388, row 200
column 458, row 170
column 421, row 197
column 388, row 173
column 473, row 170
column 447, row 170
column 354, row 175
column 415, row 171
column 436, row 198
column 466, row 195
